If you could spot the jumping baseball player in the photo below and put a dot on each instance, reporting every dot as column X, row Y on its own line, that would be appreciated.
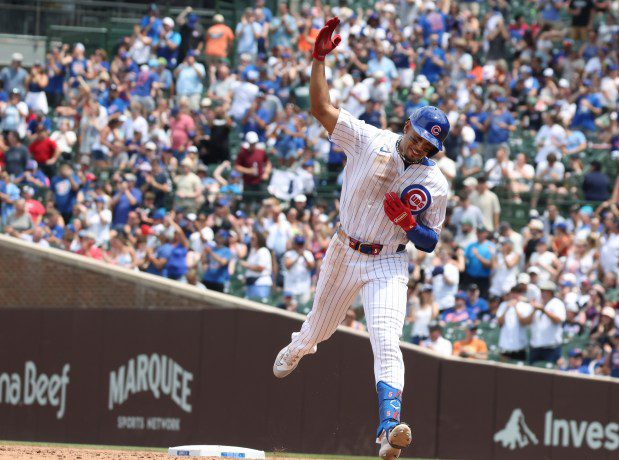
column 392, row 193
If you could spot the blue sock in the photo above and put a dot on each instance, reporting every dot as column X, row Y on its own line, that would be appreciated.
column 389, row 407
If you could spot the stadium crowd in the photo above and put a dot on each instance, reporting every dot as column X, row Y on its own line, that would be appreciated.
column 188, row 152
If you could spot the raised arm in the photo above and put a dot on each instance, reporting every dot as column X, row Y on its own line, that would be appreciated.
column 320, row 102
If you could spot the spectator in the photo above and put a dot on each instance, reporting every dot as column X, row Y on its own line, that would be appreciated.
column 247, row 33
column 471, row 346
column 65, row 187
column 596, row 184
column 189, row 190
column 283, row 28
column 351, row 321
column 424, row 310
column 253, row 163
column 45, row 151
column 487, row 202
column 475, row 304
column 16, row 156
column 14, row 114
column 504, row 268
column 34, row 207
column 176, row 265
column 219, row 38
column 513, row 316
column 87, row 246
column 499, row 124
column 290, row 304
column 36, row 82
column 259, row 269
column 168, row 42
column 575, row 362
column 546, row 321
column 14, row 76
column 298, row 264
column 65, row 138
column 20, row 222
column 549, row 176
column 217, row 259
column 127, row 199
column 189, row 76
column 459, row 314
column 479, row 262
column 445, row 277
column 497, row 169
column 436, row 342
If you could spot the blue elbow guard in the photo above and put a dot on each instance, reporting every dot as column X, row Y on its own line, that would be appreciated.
column 423, row 238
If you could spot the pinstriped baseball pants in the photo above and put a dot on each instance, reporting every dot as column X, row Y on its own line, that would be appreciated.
column 382, row 280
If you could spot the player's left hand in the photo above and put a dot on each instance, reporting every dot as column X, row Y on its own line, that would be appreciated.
column 324, row 44
column 398, row 212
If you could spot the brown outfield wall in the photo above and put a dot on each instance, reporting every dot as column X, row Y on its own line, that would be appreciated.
column 160, row 377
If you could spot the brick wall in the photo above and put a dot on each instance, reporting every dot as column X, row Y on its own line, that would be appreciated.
column 33, row 277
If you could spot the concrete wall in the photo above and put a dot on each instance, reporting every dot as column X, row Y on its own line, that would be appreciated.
column 51, row 278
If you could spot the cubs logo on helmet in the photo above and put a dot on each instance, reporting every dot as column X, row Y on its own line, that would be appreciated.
column 417, row 197
column 436, row 130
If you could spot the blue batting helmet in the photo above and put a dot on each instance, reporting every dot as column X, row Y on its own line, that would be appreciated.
column 432, row 124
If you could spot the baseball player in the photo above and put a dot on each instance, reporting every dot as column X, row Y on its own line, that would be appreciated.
column 392, row 193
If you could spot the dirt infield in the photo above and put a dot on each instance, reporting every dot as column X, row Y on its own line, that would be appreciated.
column 25, row 452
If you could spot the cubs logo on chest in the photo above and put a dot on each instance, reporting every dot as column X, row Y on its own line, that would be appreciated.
column 417, row 197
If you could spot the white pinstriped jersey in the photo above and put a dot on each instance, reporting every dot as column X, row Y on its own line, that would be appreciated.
column 374, row 168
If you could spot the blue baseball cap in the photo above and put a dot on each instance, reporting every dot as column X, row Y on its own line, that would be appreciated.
column 299, row 239
column 235, row 174
column 308, row 163
column 159, row 213
column 461, row 295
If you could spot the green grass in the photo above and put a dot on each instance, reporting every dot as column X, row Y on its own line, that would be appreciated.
column 164, row 450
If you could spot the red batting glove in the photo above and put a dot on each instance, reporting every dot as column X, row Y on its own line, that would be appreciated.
column 324, row 44
column 398, row 212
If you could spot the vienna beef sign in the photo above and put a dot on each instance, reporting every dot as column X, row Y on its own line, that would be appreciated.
column 36, row 388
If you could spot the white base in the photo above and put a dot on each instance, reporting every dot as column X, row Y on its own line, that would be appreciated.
column 216, row 451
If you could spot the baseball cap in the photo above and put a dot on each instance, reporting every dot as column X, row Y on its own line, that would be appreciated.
column 221, row 202
column 251, row 137
column 206, row 102
column 548, row 72
column 31, row 165
column 523, row 278
column 427, row 288
column 472, row 287
column 461, row 295
column 17, row 57
column 470, row 182
column 308, row 163
column 168, row 21
column 159, row 214
column 536, row 224
column 192, row 149
column 547, row 285
column 234, row 174
column 28, row 190
column 300, row 199
column 223, row 233
column 150, row 145
column 129, row 177
column 609, row 311
column 575, row 352
column 299, row 239
column 534, row 271
column 218, row 18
